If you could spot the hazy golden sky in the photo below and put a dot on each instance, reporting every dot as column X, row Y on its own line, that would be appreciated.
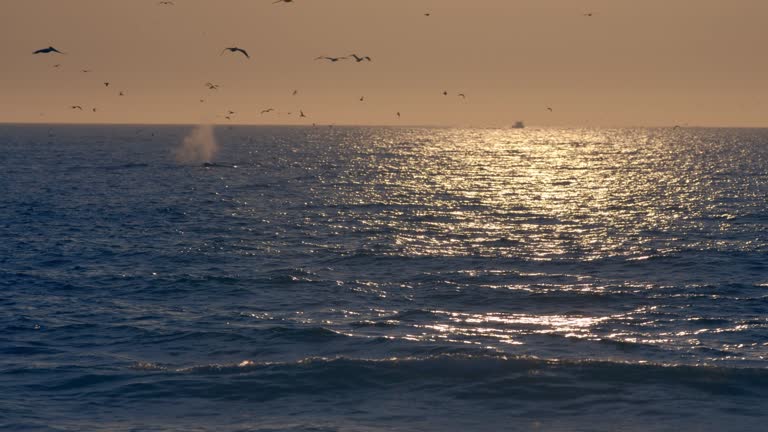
column 649, row 62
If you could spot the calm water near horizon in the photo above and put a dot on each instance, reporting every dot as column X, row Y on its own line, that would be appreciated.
column 384, row 279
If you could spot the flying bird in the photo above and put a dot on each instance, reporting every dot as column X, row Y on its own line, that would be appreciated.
column 427, row 14
column 362, row 98
column 282, row 1
column 121, row 94
column 445, row 93
column 295, row 92
column 166, row 3
column 267, row 111
column 359, row 59
column 230, row 112
column 236, row 50
column 588, row 14
column 212, row 86
column 86, row 70
column 106, row 84
column 462, row 95
column 48, row 50
column 398, row 114
column 331, row 59
column 550, row 109
column 301, row 113
column 57, row 65
column 77, row 107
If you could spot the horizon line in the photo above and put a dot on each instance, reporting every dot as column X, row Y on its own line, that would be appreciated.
column 346, row 125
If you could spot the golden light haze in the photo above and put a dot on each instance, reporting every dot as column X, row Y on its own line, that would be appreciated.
column 633, row 63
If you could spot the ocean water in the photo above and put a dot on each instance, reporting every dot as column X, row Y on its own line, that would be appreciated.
column 384, row 279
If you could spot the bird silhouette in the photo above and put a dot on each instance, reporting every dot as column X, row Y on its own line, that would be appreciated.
column 331, row 59
column 362, row 98
column 398, row 114
column 295, row 92
column 236, row 50
column 301, row 113
column 550, row 109
column 462, row 95
column 445, row 92
column 77, row 107
column 282, row 1
column 268, row 110
column 106, row 84
column 48, row 50
column 121, row 94
column 86, row 71
column 212, row 86
column 166, row 3
column 359, row 59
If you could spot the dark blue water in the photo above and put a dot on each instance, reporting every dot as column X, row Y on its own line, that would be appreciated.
column 374, row 279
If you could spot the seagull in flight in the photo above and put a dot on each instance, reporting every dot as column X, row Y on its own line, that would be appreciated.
column 331, row 59
column 550, row 109
column 121, row 94
column 295, row 92
column 462, row 95
column 48, row 50
column 282, row 1
column 106, row 84
column 267, row 111
column 235, row 50
column 77, row 107
column 166, row 3
column 362, row 98
column 445, row 92
column 212, row 86
column 359, row 59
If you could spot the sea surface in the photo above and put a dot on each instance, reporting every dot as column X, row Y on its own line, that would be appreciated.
column 384, row 279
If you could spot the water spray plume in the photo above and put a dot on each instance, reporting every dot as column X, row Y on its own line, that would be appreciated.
column 198, row 147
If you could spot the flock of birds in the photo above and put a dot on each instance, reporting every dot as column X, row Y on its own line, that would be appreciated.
column 241, row 51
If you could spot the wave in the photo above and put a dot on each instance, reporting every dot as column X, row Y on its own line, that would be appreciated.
column 483, row 368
